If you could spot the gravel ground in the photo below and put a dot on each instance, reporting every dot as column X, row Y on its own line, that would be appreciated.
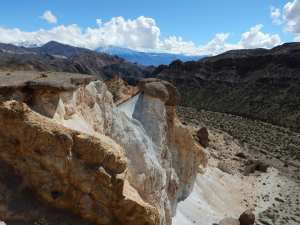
column 277, row 192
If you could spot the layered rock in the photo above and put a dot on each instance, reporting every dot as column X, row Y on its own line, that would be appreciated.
column 76, row 143
column 71, row 170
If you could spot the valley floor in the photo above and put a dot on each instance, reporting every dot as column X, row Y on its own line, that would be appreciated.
column 226, row 190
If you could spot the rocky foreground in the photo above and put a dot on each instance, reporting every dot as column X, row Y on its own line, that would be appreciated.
column 75, row 150
column 70, row 156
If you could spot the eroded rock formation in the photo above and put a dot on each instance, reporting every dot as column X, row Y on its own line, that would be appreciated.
column 77, row 151
column 71, row 170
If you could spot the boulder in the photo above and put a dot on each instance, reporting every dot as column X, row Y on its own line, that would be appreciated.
column 202, row 135
column 163, row 90
column 255, row 165
column 174, row 96
column 241, row 155
column 156, row 90
column 247, row 218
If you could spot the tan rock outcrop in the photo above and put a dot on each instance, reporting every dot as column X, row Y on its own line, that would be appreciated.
column 178, row 153
column 120, row 89
column 78, row 172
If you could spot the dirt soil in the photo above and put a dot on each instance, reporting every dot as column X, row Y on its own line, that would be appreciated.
column 265, row 157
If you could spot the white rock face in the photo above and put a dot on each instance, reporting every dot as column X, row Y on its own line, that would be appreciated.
column 88, row 109
column 146, row 174
column 156, row 144
column 151, row 112
column 215, row 195
column 129, row 106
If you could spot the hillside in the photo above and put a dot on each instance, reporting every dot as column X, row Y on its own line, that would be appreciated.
column 259, row 84
column 58, row 57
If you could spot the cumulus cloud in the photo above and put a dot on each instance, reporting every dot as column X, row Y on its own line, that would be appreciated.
column 178, row 45
column 256, row 38
column 216, row 45
column 275, row 14
column 253, row 38
column 99, row 22
column 141, row 33
column 49, row 17
column 292, row 16
column 289, row 17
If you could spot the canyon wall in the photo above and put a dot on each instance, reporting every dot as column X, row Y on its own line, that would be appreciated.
column 254, row 83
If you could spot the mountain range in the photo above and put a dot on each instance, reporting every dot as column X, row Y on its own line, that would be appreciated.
column 146, row 58
column 58, row 57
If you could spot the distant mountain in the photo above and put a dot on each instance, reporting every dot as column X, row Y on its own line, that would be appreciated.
column 54, row 56
column 146, row 58
column 260, row 84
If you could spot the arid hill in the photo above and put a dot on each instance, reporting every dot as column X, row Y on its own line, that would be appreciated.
column 259, row 83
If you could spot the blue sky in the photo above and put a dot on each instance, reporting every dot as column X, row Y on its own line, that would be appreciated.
column 196, row 21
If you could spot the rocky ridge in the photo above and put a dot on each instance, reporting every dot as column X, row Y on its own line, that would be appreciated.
column 58, row 57
column 256, row 83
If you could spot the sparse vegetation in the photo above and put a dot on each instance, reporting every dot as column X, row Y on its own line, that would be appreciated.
column 256, row 135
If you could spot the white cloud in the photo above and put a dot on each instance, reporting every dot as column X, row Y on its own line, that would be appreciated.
column 49, row 17
column 141, row 33
column 297, row 38
column 292, row 16
column 178, row 45
column 216, row 45
column 99, row 22
column 255, row 38
column 289, row 16
column 275, row 14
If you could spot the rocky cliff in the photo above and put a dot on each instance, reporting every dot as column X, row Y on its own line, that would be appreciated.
column 63, row 136
column 259, row 83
